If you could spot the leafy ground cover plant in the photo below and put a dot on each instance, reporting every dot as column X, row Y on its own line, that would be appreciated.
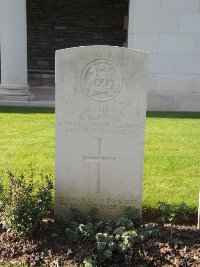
column 172, row 213
column 24, row 205
column 111, row 237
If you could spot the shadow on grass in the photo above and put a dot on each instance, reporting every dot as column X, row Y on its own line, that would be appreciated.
column 26, row 110
column 153, row 114
column 173, row 115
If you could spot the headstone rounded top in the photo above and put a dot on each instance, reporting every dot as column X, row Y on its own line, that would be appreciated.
column 101, row 80
column 100, row 123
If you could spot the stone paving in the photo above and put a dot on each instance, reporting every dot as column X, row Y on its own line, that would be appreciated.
column 40, row 97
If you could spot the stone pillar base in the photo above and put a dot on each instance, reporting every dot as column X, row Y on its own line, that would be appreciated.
column 15, row 93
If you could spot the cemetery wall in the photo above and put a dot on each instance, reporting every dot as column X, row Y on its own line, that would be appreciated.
column 54, row 25
column 170, row 31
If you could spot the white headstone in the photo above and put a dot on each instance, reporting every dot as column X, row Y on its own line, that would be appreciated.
column 100, row 127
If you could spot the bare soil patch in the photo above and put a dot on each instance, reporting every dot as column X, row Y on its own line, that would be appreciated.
column 51, row 247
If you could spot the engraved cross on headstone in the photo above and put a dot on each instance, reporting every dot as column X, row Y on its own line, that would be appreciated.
column 99, row 158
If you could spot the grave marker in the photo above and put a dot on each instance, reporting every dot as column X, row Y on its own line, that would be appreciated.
column 100, row 126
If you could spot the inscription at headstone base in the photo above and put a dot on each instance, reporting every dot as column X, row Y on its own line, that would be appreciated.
column 100, row 127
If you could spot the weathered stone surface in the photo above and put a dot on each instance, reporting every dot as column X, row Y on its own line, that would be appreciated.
column 100, row 125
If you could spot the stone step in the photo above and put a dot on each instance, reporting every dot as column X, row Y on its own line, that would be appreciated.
column 43, row 93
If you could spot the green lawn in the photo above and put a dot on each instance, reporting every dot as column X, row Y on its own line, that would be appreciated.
column 172, row 158
column 27, row 137
column 172, row 151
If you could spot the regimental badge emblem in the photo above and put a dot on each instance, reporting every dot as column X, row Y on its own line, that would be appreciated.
column 101, row 80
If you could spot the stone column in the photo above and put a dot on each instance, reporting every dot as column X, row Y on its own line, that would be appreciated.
column 13, row 32
column 132, row 24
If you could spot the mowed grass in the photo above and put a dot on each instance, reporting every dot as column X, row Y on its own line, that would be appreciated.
column 172, row 151
column 172, row 159
column 27, row 138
